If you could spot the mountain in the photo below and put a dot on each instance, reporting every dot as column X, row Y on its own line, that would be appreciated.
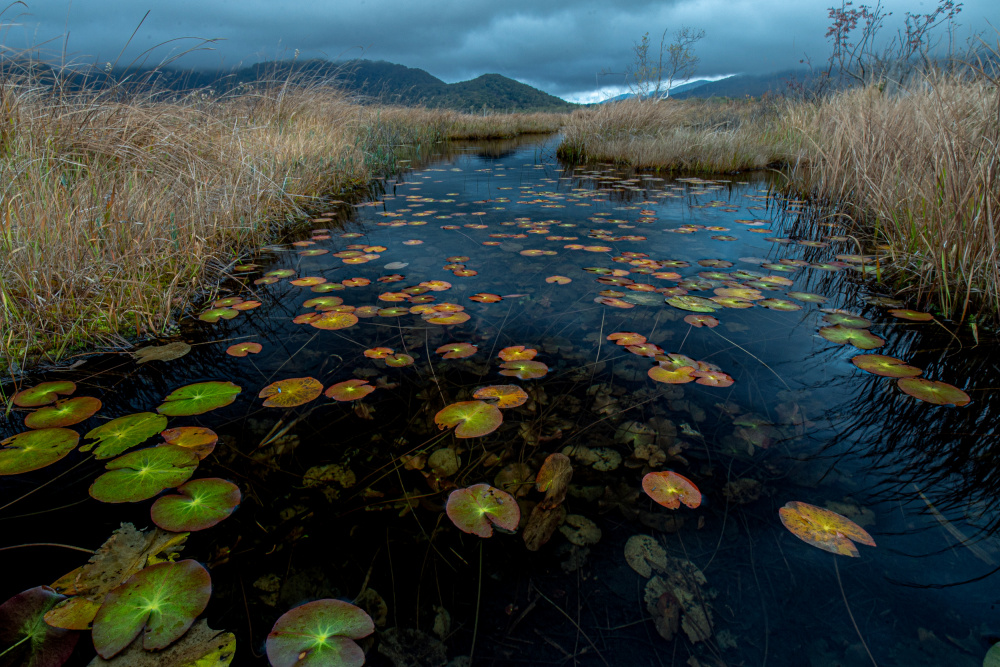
column 742, row 85
column 691, row 85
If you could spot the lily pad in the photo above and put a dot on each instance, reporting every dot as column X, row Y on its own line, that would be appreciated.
column 32, row 450
column 198, row 439
column 398, row 360
column 144, row 473
column 124, row 433
column 859, row 338
column 479, row 507
column 200, row 504
column 160, row 601
column 553, row 478
column 472, row 418
column 243, row 349
column 932, row 391
column 524, row 370
column 671, row 374
column 519, row 353
column 847, row 319
column 332, row 321
column 701, row 321
column 349, row 390
column 215, row 314
column 890, row 367
column 695, row 304
column 25, row 638
column 198, row 398
column 319, row 634
column 43, row 394
column 167, row 352
column 670, row 489
column 912, row 315
column 506, row 395
column 64, row 413
column 824, row 529
column 457, row 350
column 291, row 393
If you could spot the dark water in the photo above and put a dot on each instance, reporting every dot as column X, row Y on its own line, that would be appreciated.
column 799, row 423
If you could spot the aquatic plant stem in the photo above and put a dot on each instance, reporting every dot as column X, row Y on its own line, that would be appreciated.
column 836, row 569
column 479, row 595
column 576, row 625
column 43, row 485
column 712, row 329
column 14, row 646
column 47, row 544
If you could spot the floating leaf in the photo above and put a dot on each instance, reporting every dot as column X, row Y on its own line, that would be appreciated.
column 517, row 353
column 885, row 366
column 332, row 321
column 308, row 281
column 446, row 318
column 349, row 390
column 216, row 314
column 859, row 338
column 472, row 418
column 695, row 304
column 847, row 319
column 457, row 350
column 160, row 601
column 124, row 433
column 319, row 634
column 779, row 304
column 558, row 280
column 201, row 646
column 32, row 450
column 43, row 394
column 25, row 638
column 167, row 352
column 479, row 507
column 144, row 473
column 554, row 477
column 806, row 297
column 379, row 352
column 64, row 413
column 506, row 395
column 524, row 370
column 243, row 349
column 201, row 504
column 671, row 374
column 713, row 378
column 291, row 393
column 398, row 360
column 701, row 321
column 198, row 398
column 625, row 338
column 932, row 391
column 670, row 489
column 912, row 315
column 198, row 439
column 824, row 529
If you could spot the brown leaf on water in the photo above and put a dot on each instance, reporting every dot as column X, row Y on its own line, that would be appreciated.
column 201, row 646
column 542, row 524
column 167, row 352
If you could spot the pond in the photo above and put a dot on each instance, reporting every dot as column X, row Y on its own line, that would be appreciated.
column 493, row 264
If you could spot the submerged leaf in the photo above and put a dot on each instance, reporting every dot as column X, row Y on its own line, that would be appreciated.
column 479, row 507
column 32, row 450
column 472, row 418
column 824, row 529
column 319, row 634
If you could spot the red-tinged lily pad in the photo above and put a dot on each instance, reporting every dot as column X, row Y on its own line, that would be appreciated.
column 713, row 378
column 625, row 338
column 479, row 507
column 932, row 391
column 645, row 349
column 447, row 318
column 859, row 338
column 472, row 419
column 806, row 297
column 323, row 302
column 701, row 321
column 199, row 504
column 558, row 280
column 160, row 601
column 25, row 638
column 912, row 315
column 332, row 321
column 889, row 367
column 64, row 413
column 614, row 302
column 319, row 634
column 114, row 437
column 824, row 529
column 484, row 297
column 457, row 350
column 398, row 360
column 517, row 353
column 43, row 394
column 349, row 390
column 379, row 352
column 506, row 395
column 32, row 450
column 671, row 374
column 216, row 314
column 524, row 370
column 670, row 489
column 198, row 398
column 142, row 474
column 198, row 439
column 243, row 349
column 695, row 304
column 291, row 393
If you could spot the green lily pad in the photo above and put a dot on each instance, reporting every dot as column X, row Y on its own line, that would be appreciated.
column 932, row 391
column 32, row 450
column 43, row 394
column 201, row 504
column 847, row 320
column 479, row 507
column 25, row 638
column 859, row 338
column 216, row 314
column 695, row 304
column 319, row 634
column 806, row 297
column 124, row 433
column 64, row 413
column 472, row 418
column 142, row 474
column 198, row 398
column 889, row 367
column 161, row 601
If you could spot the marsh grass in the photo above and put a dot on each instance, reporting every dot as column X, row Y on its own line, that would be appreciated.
column 914, row 172
column 117, row 209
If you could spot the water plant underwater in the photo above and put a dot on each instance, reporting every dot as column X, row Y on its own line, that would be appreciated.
column 154, row 603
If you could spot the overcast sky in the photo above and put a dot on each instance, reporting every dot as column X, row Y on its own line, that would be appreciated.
column 559, row 46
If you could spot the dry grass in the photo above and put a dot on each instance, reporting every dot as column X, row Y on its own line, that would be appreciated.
column 114, row 214
column 915, row 171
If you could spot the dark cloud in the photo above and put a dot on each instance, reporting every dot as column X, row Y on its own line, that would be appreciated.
column 559, row 46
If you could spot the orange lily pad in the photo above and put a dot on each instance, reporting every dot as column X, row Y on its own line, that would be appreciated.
column 398, row 360
column 671, row 374
column 198, row 439
column 506, row 395
column 243, row 349
column 446, row 318
column 484, row 297
column 889, row 367
column 379, row 352
column 670, row 489
column 291, row 392
column 625, row 338
column 349, row 390
column 824, row 529
column 309, row 281
column 713, row 378
column 457, row 350
column 701, row 321
column 558, row 280
column 932, row 391
column 517, row 353
column 524, row 369
column 472, row 419
column 479, row 507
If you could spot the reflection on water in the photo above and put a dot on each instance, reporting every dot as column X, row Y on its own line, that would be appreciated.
column 345, row 499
